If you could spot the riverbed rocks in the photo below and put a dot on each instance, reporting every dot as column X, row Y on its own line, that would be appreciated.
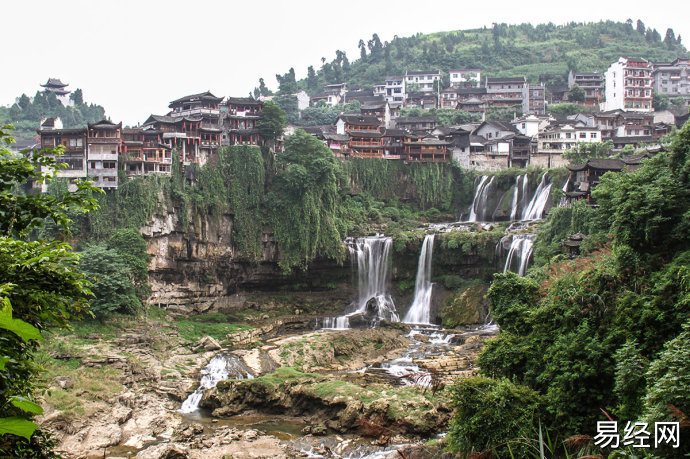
column 328, row 400
column 340, row 350
column 209, row 344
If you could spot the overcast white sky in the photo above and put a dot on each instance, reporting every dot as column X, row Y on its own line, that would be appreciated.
column 133, row 57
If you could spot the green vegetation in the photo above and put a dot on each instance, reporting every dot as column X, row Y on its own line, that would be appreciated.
column 110, row 281
column 216, row 326
column 446, row 116
column 41, row 288
column 244, row 167
column 304, row 205
column 584, row 151
column 26, row 114
column 491, row 411
column 609, row 329
column 544, row 53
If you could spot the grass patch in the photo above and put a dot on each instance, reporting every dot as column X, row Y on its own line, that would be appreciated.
column 91, row 384
column 215, row 325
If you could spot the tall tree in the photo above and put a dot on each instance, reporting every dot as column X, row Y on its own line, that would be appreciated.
column 641, row 29
column 272, row 121
column 24, row 102
column 287, row 83
column 362, row 50
column 670, row 38
column 312, row 79
column 263, row 89
column 40, row 286
column 576, row 94
column 77, row 97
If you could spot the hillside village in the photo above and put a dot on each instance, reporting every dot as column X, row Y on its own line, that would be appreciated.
column 617, row 106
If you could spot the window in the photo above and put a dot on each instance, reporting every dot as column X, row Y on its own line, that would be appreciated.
column 583, row 135
column 593, row 135
column 108, row 164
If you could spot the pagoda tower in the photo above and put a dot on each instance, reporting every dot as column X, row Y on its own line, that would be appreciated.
column 56, row 86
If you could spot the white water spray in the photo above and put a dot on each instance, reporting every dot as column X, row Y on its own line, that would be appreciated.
column 420, row 311
column 520, row 252
column 535, row 209
column 371, row 257
column 478, row 208
column 221, row 367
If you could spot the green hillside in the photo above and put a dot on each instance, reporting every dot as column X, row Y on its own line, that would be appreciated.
column 26, row 114
column 543, row 53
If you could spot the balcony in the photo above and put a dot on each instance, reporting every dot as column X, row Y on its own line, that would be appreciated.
column 244, row 113
column 197, row 111
column 174, row 135
column 363, row 143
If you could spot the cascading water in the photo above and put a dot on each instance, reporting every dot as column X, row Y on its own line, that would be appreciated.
column 535, row 209
column 478, row 208
column 520, row 196
column 519, row 253
column 420, row 311
column 371, row 256
column 516, row 191
column 221, row 367
column 564, row 200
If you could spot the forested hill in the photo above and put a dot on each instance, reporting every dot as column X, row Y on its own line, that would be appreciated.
column 26, row 114
column 543, row 53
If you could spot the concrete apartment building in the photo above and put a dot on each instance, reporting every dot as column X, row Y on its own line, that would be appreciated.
column 629, row 85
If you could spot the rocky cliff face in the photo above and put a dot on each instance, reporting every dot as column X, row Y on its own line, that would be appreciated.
column 199, row 267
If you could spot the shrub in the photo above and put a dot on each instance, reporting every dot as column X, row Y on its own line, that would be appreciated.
column 493, row 415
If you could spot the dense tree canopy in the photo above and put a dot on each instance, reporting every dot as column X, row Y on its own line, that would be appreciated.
column 41, row 287
column 608, row 329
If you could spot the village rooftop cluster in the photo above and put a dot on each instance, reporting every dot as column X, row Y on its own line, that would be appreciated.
column 618, row 108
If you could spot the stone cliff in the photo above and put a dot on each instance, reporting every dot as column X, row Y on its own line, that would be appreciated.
column 199, row 267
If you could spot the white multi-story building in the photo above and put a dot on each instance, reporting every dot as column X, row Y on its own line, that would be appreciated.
column 629, row 85
column 562, row 137
column 469, row 78
column 423, row 80
column 395, row 89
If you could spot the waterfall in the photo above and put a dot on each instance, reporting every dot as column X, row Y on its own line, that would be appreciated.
column 221, row 367
column 519, row 197
column 564, row 200
column 372, row 255
column 478, row 211
column 535, row 209
column 420, row 311
column 371, row 258
column 513, row 207
column 520, row 251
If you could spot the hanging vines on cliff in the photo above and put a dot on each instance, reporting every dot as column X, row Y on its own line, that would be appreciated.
column 130, row 206
column 434, row 184
column 304, row 206
column 244, row 167
column 380, row 178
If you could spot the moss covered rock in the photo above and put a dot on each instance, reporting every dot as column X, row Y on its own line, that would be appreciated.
column 468, row 306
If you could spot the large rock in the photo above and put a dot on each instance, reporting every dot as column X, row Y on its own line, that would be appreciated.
column 102, row 436
column 468, row 307
column 208, row 344
column 164, row 451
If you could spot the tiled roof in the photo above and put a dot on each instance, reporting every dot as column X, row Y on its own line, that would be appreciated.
column 201, row 96
column 55, row 82
column 360, row 120
column 609, row 164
